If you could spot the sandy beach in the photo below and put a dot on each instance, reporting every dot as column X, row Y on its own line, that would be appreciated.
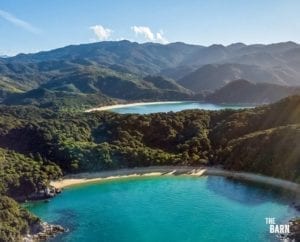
column 83, row 178
column 128, row 105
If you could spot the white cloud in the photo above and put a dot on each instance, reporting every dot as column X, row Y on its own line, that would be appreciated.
column 149, row 35
column 143, row 30
column 160, row 38
column 18, row 22
column 101, row 32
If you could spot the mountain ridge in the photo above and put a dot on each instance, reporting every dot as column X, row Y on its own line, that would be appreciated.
column 189, row 69
column 243, row 91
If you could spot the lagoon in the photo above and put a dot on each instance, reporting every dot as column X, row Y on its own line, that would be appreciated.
column 167, row 208
column 156, row 107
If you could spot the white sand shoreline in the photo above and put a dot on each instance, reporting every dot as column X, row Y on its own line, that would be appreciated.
column 114, row 106
column 82, row 178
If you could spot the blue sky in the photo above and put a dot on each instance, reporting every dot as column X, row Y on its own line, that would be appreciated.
column 34, row 25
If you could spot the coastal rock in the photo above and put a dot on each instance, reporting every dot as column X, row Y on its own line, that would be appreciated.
column 295, row 229
column 46, row 193
column 294, row 235
column 43, row 231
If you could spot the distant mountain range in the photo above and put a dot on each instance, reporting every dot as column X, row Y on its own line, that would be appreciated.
column 213, row 76
column 242, row 91
column 131, row 71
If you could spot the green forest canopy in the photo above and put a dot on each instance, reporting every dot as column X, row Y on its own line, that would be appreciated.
column 38, row 145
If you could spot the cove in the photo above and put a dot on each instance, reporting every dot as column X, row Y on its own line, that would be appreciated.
column 174, row 107
column 167, row 208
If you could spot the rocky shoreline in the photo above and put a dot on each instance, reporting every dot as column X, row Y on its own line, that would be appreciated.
column 294, row 229
column 43, row 231
column 46, row 193
column 294, row 233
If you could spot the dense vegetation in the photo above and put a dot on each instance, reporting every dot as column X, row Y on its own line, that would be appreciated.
column 20, row 177
column 103, row 140
column 23, row 175
column 37, row 145
column 15, row 221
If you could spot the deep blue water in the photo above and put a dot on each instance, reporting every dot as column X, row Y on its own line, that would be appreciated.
column 155, row 209
column 175, row 107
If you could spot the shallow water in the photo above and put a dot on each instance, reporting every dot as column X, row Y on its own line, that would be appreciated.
column 175, row 107
column 180, row 208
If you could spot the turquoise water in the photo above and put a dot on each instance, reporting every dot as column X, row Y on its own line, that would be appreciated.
column 175, row 107
column 179, row 208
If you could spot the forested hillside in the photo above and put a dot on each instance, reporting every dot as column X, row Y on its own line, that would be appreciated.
column 104, row 140
column 38, row 145
column 21, row 176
